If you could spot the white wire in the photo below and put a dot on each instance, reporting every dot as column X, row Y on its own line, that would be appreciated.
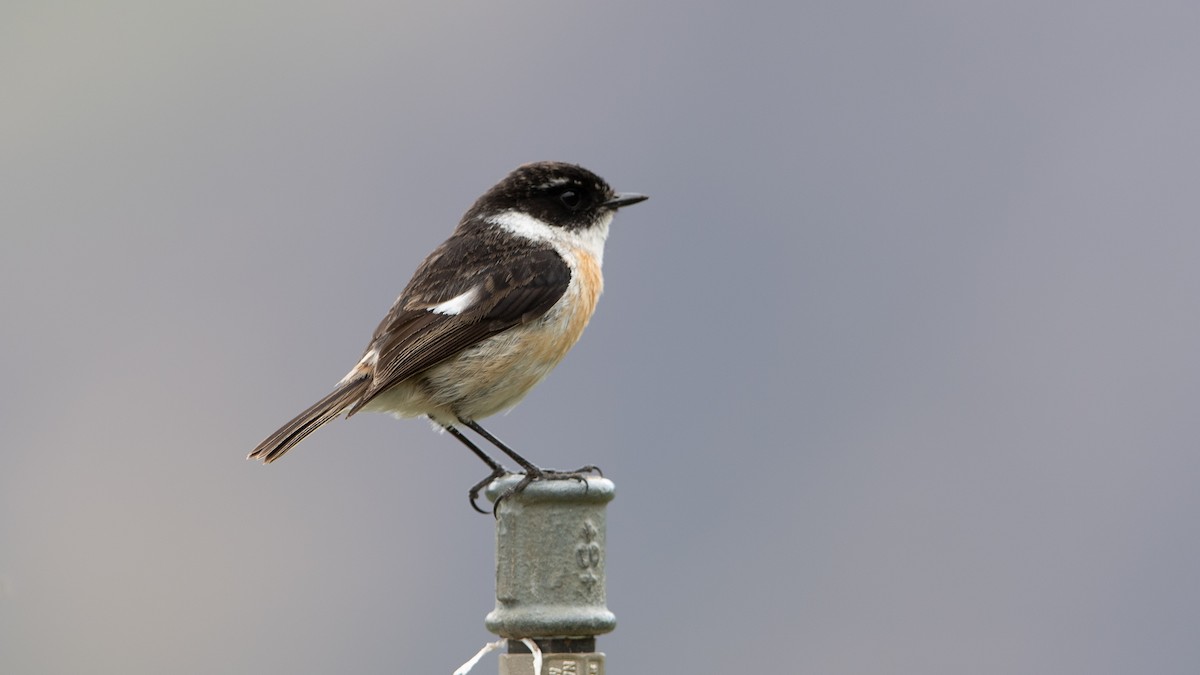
column 487, row 649
column 537, row 655
column 493, row 646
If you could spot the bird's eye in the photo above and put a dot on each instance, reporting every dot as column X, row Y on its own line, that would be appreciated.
column 570, row 199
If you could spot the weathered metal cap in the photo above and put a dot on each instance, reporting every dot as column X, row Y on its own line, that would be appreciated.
column 550, row 559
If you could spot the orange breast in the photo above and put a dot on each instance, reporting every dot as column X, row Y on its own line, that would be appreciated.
column 495, row 374
column 550, row 344
column 588, row 287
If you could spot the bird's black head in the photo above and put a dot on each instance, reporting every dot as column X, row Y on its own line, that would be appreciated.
column 556, row 193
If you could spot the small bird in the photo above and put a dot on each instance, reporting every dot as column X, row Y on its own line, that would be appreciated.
column 485, row 317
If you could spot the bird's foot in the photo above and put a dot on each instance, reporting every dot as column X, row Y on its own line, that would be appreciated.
column 535, row 474
column 590, row 468
column 473, row 495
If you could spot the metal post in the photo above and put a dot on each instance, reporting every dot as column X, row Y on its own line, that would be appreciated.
column 550, row 560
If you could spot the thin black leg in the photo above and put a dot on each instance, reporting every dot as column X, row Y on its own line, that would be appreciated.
column 497, row 470
column 532, row 472
column 530, row 469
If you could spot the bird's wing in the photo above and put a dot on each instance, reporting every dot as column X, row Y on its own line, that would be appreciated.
column 462, row 294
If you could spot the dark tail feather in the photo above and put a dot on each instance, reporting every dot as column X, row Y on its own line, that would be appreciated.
column 310, row 420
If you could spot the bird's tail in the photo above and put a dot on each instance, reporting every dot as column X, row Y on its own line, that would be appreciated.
column 310, row 420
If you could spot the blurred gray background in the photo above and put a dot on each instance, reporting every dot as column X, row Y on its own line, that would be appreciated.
column 896, row 372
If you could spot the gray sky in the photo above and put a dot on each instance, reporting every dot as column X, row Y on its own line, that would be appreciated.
column 896, row 372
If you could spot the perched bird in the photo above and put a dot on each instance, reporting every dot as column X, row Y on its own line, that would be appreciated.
column 486, row 316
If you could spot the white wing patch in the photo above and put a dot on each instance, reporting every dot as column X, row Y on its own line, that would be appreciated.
column 458, row 304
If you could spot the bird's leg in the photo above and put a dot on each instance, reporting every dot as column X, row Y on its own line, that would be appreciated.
column 526, row 464
column 497, row 470
column 530, row 469
column 532, row 472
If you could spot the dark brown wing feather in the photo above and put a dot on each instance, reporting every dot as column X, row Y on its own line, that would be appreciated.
column 517, row 284
column 309, row 421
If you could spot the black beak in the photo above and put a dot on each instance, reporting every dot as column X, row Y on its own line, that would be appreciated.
column 625, row 199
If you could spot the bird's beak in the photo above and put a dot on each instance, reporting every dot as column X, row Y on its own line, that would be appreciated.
column 625, row 199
